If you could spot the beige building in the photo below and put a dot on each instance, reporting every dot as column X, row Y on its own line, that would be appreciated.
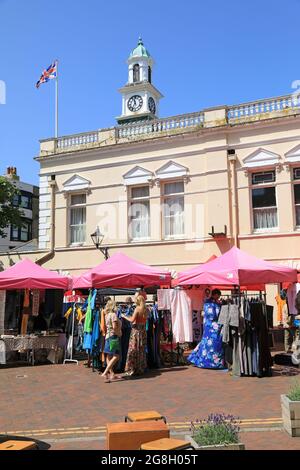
column 171, row 192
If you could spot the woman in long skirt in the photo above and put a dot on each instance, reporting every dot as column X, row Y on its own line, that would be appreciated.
column 136, row 362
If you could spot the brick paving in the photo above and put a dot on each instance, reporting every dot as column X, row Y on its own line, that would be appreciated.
column 68, row 396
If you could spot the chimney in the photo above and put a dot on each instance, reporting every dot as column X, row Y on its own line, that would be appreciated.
column 11, row 173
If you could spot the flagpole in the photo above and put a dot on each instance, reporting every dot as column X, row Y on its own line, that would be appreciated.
column 56, row 101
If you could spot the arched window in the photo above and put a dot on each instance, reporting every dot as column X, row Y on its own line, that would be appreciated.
column 136, row 73
column 149, row 74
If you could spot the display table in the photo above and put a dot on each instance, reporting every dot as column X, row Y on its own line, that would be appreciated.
column 32, row 343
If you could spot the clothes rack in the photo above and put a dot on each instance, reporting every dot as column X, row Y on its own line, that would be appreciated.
column 71, row 360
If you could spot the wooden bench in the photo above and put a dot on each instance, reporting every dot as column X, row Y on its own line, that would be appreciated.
column 167, row 444
column 130, row 436
column 18, row 445
column 136, row 416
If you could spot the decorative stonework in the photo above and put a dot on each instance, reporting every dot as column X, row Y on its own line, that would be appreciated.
column 261, row 158
column 76, row 183
column 137, row 175
column 171, row 170
column 293, row 156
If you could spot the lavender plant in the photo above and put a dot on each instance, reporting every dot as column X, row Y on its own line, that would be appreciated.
column 216, row 429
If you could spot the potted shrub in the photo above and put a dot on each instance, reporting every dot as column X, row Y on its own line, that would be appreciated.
column 290, row 407
column 216, row 432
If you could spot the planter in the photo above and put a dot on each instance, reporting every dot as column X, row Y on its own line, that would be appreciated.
column 290, row 416
column 237, row 446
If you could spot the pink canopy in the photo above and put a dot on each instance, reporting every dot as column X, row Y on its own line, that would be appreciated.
column 235, row 267
column 27, row 275
column 122, row 271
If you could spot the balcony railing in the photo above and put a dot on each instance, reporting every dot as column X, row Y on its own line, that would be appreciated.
column 77, row 140
column 157, row 126
column 260, row 108
column 246, row 112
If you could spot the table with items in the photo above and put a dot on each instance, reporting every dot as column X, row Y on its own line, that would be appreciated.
column 31, row 343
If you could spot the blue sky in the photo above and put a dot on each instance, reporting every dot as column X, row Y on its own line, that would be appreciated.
column 206, row 54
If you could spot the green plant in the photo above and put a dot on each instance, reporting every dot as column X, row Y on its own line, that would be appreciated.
column 294, row 392
column 216, row 429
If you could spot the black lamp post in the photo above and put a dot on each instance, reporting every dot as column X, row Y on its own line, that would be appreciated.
column 97, row 238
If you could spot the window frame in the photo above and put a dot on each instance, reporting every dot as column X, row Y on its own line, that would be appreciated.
column 131, row 201
column 19, row 229
column 165, row 197
column 19, row 197
column 70, row 208
column 271, row 184
column 295, row 182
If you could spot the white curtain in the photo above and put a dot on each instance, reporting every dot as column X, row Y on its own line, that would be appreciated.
column 174, row 216
column 265, row 218
column 78, row 219
column 140, row 220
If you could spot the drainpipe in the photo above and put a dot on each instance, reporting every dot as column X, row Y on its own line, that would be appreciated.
column 51, row 253
column 232, row 159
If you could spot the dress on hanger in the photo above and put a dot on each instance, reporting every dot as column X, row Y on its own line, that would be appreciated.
column 209, row 354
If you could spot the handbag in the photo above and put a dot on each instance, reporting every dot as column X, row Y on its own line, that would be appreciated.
column 114, row 344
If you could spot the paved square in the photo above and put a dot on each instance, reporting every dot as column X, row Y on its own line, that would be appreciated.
column 69, row 405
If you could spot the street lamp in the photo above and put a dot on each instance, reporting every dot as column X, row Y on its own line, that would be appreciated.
column 97, row 238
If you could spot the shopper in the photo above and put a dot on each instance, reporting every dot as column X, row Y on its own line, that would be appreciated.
column 209, row 354
column 136, row 362
column 112, row 340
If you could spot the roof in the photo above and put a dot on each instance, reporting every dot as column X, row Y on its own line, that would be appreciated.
column 140, row 50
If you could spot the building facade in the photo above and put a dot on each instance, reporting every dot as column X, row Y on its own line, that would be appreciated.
column 28, row 203
column 172, row 192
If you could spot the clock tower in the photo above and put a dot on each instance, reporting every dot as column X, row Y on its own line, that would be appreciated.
column 140, row 99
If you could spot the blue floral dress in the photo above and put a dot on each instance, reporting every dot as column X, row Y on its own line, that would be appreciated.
column 209, row 354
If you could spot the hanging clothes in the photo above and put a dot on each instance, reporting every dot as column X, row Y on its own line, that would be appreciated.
column 209, row 353
column 154, row 329
column 163, row 299
column 280, row 304
column 181, row 310
column 26, row 302
column 291, row 297
column 88, row 324
column 35, row 302
column 127, row 310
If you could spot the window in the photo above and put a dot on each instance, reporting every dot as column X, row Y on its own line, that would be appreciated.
column 21, row 234
column 264, row 208
column 139, row 213
column 296, row 173
column 77, row 218
column 149, row 74
column 263, row 177
column 23, row 200
column 173, row 207
column 136, row 73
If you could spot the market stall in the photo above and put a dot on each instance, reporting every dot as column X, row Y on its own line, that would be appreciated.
column 30, row 282
column 240, row 321
column 120, row 272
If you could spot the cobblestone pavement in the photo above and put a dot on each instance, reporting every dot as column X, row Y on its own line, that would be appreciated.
column 61, row 403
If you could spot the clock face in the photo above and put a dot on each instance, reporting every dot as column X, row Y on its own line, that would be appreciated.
column 135, row 103
column 151, row 104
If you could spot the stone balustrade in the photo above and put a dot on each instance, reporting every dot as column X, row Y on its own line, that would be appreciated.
column 262, row 109
column 77, row 140
column 157, row 126
column 212, row 117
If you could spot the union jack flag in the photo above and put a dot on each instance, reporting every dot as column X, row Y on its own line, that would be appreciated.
column 48, row 74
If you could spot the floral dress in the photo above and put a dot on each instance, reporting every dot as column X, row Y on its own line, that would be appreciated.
column 209, row 354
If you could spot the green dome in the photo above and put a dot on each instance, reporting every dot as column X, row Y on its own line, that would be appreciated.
column 140, row 50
